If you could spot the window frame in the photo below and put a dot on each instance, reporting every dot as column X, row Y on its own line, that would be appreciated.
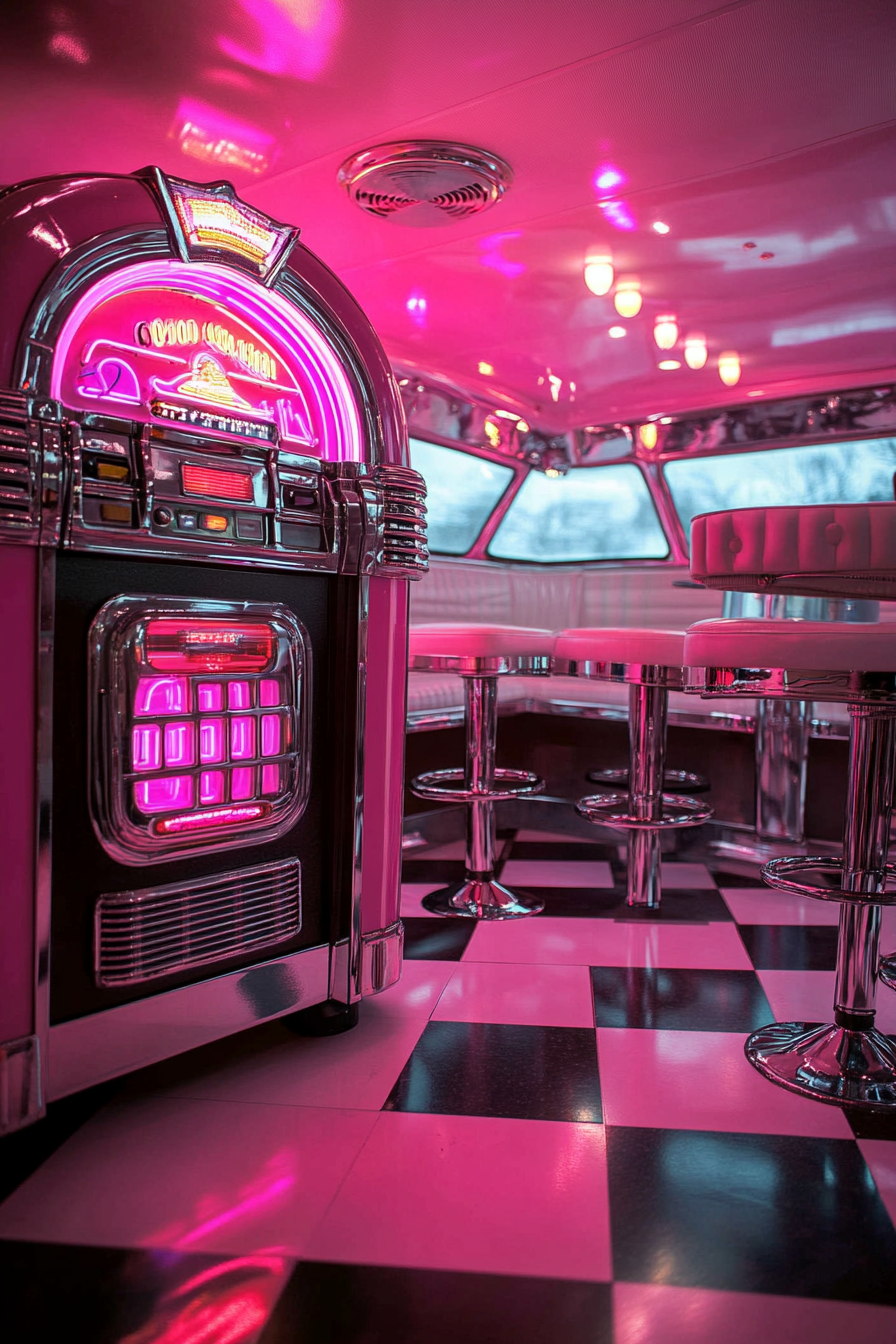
column 520, row 472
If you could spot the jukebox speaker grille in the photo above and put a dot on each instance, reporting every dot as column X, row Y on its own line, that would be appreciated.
column 141, row 935
column 404, row 521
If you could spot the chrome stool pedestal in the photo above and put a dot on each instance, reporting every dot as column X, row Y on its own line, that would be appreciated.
column 847, row 1061
column 642, row 659
column 480, row 655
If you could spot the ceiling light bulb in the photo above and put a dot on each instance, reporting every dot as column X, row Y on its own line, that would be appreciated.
column 729, row 367
column 616, row 332
column 627, row 300
column 669, row 364
column 659, row 227
column 695, row 351
column 665, row 331
column 486, row 369
column 648, row 434
column 599, row 274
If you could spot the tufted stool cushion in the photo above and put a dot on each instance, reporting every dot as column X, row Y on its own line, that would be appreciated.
column 817, row 646
column 658, row 648
column 832, row 549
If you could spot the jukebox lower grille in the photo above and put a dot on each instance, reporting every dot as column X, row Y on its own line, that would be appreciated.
column 405, row 551
column 140, row 935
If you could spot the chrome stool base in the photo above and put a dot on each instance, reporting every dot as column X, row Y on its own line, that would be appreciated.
column 449, row 786
column 614, row 809
column 481, row 898
column 827, row 1063
column 674, row 781
column 826, row 880
column 887, row 971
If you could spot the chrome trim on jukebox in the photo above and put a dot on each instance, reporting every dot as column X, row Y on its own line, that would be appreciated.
column 133, row 819
column 21, row 1099
column 43, row 867
column 345, row 958
column 405, row 553
column 142, row 935
column 88, row 1050
column 381, row 954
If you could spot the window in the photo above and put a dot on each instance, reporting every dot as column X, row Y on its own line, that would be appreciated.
column 825, row 473
column 592, row 513
column 461, row 491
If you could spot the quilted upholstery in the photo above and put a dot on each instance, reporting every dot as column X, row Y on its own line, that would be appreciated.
column 837, row 549
column 817, row 646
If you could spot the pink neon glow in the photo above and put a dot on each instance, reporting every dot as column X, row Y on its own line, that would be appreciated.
column 222, row 816
column 248, row 1205
column 493, row 257
column 416, row 306
column 162, row 695
column 291, row 37
column 270, row 734
column 311, row 379
column 206, row 133
column 238, row 695
column 110, row 380
column 180, row 744
column 208, row 646
column 608, row 177
column 209, row 696
column 268, row 693
column 265, row 1264
column 225, row 1321
column 242, row 782
column 146, row 747
column 211, row 740
column 618, row 214
column 242, row 738
column 211, row 787
column 163, row 795
column 270, row 779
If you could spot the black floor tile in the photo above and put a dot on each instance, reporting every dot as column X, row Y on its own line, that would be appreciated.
column 790, row 947
column 754, row 1213
column 541, row 851
column 659, row 999
column 872, row 1124
column 677, row 907
column 432, row 870
column 735, row 879
column 684, row 905
column 436, row 939
column 94, row 1295
column 518, row 1073
column 367, row 1304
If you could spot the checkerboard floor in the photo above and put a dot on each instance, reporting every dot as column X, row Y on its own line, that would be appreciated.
column 546, row 1132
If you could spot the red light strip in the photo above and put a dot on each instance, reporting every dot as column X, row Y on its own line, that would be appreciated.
column 221, row 816
column 217, row 484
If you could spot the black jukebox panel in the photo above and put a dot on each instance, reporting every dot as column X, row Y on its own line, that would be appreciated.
column 202, row 772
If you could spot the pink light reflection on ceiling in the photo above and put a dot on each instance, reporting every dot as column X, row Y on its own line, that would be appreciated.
column 292, row 37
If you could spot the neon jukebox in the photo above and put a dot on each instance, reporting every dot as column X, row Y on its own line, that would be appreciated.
column 207, row 525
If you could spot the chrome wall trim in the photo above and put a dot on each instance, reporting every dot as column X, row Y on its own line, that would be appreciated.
column 89, row 1050
column 21, row 1092
column 381, row 954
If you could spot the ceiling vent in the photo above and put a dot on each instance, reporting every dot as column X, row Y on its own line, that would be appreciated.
column 425, row 183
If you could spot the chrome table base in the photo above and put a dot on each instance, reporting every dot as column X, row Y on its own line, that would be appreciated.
column 479, row 785
column 827, row 1063
column 480, row 898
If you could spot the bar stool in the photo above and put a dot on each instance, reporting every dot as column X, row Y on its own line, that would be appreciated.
column 480, row 654
column 849, row 1060
column 650, row 662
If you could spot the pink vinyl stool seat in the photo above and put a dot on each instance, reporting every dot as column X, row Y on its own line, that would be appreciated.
column 650, row 663
column 848, row 1061
column 480, row 654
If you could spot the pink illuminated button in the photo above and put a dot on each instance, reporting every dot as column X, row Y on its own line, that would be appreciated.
column 242, row 782
column 268, row 693
column 270, row 779
column 211, row 740
column 163, row 795
column 180, row 744
column 238, row 693
column 146, row 747
column 211, row 786
column 242, row 738
column 270, row 734
column 209, row 696
column 162, row 695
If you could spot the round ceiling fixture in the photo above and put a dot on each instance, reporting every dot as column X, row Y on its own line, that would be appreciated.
column 425, row 183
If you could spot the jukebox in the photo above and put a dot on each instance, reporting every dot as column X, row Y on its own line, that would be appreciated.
column 207, row 525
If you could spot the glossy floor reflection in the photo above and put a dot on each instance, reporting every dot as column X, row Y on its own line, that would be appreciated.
column 547, row 1132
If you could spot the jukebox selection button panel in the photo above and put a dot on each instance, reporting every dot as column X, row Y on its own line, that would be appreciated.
column 199, row 725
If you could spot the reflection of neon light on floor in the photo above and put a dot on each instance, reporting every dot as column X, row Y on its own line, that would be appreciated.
column 248, row 1205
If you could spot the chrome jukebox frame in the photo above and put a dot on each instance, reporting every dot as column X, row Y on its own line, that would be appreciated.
column 375, row 530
